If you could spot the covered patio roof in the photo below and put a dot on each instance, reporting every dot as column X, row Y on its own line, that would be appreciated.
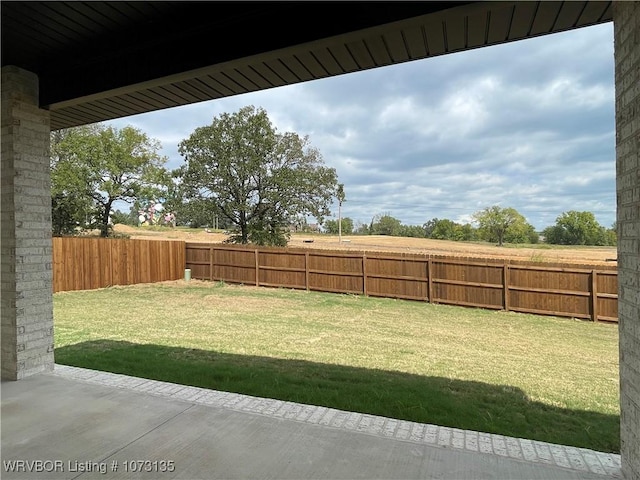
column 98, row 61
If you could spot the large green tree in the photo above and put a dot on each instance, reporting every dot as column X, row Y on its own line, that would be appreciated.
column 193, row 212
column 98, row 165
column 521, row 232
column 68, row 212
column 332, row 227
column 415, row 231
column 385, row 224
column 497, row 224
column 445, row 229
column 259, row 179
column 578, row 228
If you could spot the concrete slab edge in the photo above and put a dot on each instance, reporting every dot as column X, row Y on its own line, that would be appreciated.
column 574, row 458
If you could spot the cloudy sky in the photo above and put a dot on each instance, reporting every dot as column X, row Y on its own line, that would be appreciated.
column 528, row 125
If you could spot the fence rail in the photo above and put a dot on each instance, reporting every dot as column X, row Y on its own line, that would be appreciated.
column 588, row 292
column 89, row 263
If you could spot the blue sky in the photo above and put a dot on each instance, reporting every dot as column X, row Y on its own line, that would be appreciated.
column 528, row 125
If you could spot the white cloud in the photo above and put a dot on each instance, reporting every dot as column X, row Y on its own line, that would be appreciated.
column 526, row 124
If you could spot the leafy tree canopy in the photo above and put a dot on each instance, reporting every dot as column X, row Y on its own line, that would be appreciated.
column 331, row 226
column 497, row 224
column 97, row 165
column 123, row 218
column 578, row 228
column 445, row 229
column 67, row 213
column 340, row 195
column 259, row 179
column 360, row 228
column 385, row 224
column 415, row 231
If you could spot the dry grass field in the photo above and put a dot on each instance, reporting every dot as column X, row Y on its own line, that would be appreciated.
column 379, row 243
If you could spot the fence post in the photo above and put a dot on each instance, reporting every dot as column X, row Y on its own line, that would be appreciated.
column 306, row 270
column 505, row 286
column 594, row 295
column 111, row 266
column 430, row 280
column 211, row 254
column 257, row 267
column 364, row 274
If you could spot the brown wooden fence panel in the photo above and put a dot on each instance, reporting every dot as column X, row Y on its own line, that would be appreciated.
column 397, row 276
column 68, row 259
column 467, row 282
column 106, row 262
column 142, row 268
column 550, row 289
column 177, row 263
column 198, row 259
column 282, row 269
column 549, row 303
column 78, row 276
column 123, row 255
column 119, row 259
column 234, row 265
column 335, row 272
column 97, row 263
column 542, row 277
column 90, row 263
column 467, row 296
column 607, row 288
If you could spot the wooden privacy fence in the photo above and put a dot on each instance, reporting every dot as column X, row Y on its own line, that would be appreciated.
column 89, row 263
column 577, row 291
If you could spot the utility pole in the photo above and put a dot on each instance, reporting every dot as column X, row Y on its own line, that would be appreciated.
column 340, row 223
column 340, row 196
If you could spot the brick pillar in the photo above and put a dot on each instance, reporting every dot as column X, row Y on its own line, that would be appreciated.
column 27, row 301
column 626, row 19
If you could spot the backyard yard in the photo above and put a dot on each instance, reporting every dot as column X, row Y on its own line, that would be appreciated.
column 528, row 376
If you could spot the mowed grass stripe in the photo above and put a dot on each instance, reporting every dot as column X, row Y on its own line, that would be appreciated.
column 527, row 376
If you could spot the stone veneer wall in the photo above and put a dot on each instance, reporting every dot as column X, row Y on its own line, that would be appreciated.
column 627, row 77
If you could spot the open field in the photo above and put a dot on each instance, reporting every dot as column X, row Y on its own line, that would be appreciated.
column 526, row 376
column 380, row 243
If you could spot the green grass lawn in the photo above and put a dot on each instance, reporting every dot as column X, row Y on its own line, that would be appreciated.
column 528, row 376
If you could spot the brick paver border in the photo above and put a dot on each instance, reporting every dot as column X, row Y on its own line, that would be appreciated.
column 580, row 459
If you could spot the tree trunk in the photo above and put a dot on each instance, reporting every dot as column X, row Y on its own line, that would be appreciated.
column 244, row 231
column 104, row 221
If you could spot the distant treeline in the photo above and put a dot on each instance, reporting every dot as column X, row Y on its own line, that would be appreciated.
column 493, row 224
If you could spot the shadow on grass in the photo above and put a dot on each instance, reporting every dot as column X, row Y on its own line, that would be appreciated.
column 442, row 401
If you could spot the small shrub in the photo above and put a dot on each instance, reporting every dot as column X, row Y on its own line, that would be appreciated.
column 537, row 257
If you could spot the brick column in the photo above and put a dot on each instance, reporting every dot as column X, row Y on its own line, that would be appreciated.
column 27, row 301
column 626, row 16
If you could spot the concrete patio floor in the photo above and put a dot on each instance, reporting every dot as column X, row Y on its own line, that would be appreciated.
column 78, row 423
